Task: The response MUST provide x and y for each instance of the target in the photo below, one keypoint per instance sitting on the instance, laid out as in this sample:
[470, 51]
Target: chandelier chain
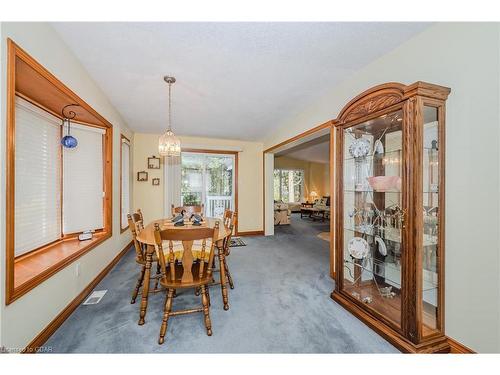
[168, 143]
[170, 106]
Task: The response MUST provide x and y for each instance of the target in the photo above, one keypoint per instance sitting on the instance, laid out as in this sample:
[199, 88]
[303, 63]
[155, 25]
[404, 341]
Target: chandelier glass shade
[169, 144]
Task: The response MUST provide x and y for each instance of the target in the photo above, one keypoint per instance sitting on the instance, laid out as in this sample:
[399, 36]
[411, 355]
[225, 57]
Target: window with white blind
[51, 193]
[83, 190]
[38, 178]
[125, 182]
[58, 191]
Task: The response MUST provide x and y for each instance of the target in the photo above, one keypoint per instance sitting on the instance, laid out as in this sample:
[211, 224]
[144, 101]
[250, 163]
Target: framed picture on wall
[156, 181]
[153, 162]
[142, 176]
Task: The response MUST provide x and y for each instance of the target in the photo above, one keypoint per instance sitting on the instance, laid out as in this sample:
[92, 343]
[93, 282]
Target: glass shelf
[429, 285]
[384, 191]
[391, 234]
[370, 191]
[388, 154]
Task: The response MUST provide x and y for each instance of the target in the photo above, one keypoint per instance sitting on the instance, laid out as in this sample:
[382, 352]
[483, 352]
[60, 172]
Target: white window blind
[83, 181]
[125, 188]
[38, 178]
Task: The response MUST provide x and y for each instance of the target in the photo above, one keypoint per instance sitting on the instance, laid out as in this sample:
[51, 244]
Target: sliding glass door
[208, 179]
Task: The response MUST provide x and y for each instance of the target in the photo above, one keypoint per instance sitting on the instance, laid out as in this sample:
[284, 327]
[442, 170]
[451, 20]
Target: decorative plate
[382, 249]
[358, 247]
[359, 147]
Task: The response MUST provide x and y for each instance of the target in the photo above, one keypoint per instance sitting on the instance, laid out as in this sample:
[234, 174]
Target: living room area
[302, 182]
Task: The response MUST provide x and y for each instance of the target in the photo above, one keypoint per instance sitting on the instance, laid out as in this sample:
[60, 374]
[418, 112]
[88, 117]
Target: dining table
[146, 236]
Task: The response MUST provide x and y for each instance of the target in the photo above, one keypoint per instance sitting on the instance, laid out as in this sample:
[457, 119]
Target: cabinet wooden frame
[28, 79]
[379, 100]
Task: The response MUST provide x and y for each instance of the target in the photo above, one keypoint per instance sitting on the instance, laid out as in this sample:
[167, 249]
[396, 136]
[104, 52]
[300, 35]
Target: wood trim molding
[55, 95]
[299, 136]
[236, 170]
[438, 345]
[458, 348]
[32, 282]
[250, 233]
[209, 151]
[372, 100]
[49, 330]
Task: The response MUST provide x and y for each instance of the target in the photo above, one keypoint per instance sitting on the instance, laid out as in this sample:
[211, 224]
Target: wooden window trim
[122, 137]
[31, 269]
[236, 157]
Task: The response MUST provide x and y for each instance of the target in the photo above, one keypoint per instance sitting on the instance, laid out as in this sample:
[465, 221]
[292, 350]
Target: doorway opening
[298, 199]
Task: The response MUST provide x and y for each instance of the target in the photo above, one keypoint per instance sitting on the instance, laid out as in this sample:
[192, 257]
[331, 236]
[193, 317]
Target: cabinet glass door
[431, 213]
[373, 213]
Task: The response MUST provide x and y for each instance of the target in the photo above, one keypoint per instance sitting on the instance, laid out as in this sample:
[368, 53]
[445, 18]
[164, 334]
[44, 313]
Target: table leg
[145, 287]
[223, 278]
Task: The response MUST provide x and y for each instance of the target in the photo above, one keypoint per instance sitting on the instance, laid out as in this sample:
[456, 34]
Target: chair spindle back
[231, 224]
[186, 237]
[133, 223]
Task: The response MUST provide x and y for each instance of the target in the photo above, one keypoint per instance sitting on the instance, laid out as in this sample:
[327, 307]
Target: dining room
[237, 188]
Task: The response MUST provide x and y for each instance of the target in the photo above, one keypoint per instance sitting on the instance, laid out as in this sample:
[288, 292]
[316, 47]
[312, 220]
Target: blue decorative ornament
[69, 141]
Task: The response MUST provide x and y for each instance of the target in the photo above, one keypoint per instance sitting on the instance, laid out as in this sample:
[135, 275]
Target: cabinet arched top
[385, 95]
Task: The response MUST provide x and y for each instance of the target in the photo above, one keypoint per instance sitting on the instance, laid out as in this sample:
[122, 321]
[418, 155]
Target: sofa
[294, 206]
[281, 213]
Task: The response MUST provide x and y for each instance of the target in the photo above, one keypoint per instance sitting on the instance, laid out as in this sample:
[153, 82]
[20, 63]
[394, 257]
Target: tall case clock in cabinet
[389, 213]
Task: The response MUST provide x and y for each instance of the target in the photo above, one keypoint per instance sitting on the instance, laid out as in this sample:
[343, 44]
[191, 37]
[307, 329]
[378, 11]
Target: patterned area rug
[237, 241]
[324, 236]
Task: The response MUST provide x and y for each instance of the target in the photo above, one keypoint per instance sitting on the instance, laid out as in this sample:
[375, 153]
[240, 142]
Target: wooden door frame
[298, 137]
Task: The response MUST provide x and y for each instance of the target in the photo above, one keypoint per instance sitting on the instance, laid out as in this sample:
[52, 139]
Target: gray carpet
[281, 304]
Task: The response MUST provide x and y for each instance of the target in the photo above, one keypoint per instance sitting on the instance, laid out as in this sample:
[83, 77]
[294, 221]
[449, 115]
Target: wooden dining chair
[189, 210]
[227, 246]
[141, 217]
[230, 220]
[136, 224]
[227, 218]
[194, 271]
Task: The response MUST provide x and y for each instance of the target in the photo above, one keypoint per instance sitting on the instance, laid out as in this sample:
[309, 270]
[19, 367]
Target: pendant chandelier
[169, 144]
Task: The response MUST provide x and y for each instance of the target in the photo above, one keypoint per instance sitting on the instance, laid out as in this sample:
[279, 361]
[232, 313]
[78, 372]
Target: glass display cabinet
[389, 220]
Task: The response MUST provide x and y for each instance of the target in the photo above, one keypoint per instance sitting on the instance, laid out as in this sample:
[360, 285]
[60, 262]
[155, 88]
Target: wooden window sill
[34, 268]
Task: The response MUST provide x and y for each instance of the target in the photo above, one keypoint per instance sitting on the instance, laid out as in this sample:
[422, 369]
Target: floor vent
[95, 297]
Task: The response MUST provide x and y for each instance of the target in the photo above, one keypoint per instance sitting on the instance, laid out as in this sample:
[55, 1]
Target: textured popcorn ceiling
[317, 153]
[234, 80]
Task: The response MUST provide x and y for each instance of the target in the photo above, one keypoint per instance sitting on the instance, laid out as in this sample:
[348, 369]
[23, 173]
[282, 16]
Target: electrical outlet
[77, 270]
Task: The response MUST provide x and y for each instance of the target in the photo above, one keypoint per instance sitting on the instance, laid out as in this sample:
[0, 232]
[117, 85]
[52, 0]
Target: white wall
[464, 57]
[23, 319]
